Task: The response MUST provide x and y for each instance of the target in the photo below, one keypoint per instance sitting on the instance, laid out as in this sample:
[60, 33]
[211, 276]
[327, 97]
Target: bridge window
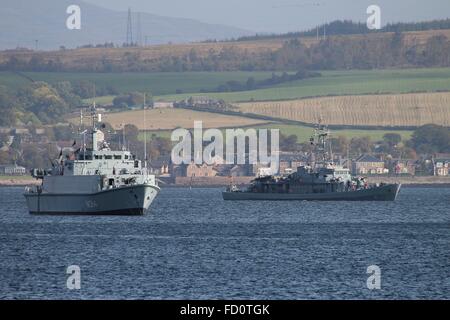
[108, 157]
[117, 157]
[97, 157]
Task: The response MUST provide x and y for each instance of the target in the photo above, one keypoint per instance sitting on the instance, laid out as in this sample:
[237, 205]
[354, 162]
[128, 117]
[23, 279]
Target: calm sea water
[193, 245]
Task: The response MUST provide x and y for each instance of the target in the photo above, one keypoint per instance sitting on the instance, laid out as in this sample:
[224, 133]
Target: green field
[12, 80]
[303, 133]
[103, 101]
[164, 85]
[158, 83]
[343, 83]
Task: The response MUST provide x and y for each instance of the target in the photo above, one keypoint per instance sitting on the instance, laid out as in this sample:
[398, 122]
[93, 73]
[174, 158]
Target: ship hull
[383, 193]
[129, 200]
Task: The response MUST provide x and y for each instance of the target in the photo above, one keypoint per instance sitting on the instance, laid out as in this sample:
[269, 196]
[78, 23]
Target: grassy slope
[158, 83]
[303, 133]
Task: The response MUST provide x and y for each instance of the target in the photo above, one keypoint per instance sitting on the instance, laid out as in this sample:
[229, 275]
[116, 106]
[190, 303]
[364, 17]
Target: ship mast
[321, 145]
[82, 133]
[145, 134]
[95, 117]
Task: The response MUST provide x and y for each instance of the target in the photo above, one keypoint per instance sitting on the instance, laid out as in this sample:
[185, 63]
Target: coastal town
[26, 147]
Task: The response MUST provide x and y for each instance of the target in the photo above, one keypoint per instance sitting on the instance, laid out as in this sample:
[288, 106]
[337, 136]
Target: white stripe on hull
[131, 200]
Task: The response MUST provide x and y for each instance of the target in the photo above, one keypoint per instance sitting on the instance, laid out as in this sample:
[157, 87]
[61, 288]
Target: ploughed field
[399, 110]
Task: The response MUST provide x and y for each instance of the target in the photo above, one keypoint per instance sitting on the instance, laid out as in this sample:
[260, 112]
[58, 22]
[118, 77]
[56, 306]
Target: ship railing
[33, 189]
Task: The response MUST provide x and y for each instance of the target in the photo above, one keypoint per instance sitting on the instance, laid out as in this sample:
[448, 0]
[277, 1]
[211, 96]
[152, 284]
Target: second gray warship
[321, 180]
[93, 180]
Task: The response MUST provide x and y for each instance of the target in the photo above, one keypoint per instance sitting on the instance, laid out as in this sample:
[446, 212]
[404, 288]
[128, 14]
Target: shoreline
[18, 182]
[221, 182]
[202, 186]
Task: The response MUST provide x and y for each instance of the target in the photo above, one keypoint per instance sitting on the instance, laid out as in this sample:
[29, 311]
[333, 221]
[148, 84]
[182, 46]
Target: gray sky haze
[283, 15]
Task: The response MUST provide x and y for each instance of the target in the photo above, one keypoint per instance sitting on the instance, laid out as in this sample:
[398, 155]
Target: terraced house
[368, 165]
[441, 164]
[12, 170]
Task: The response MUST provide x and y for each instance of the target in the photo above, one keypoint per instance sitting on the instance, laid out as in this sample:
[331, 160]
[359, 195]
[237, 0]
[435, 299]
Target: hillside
[264, 55]
[22, 22]
[159, 83]
[164, 85]
[347, 27]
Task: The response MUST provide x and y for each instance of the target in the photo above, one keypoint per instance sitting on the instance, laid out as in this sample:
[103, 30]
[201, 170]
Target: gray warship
[322, 180]
[93, 180]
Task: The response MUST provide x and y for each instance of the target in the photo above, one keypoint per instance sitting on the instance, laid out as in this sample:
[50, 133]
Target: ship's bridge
[334, 172]
[102, 162]
[341, 174]
[324, 174]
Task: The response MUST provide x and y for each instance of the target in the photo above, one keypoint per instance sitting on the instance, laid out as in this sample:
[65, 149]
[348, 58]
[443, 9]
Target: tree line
[348, 27]
[426, 140]
[333, 53]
